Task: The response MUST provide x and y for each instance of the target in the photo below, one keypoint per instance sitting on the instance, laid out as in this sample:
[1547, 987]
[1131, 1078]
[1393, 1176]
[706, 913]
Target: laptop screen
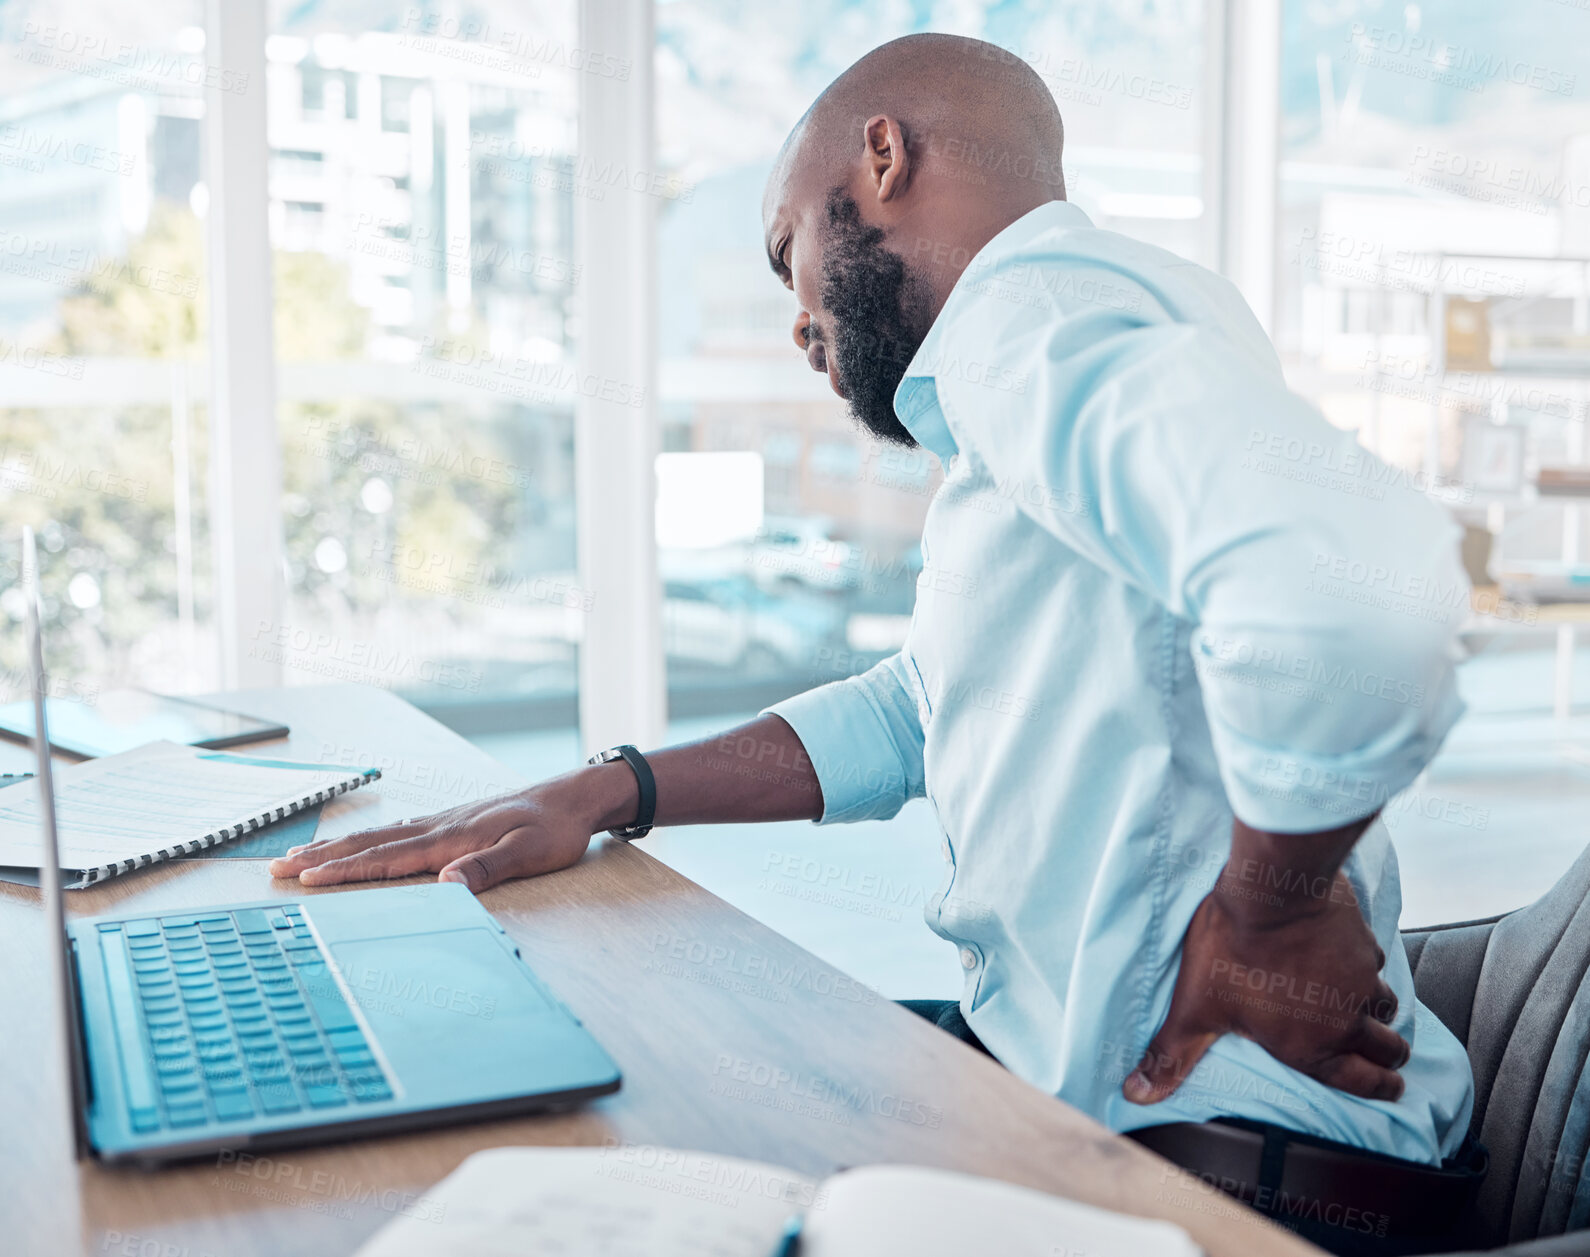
[58, 945]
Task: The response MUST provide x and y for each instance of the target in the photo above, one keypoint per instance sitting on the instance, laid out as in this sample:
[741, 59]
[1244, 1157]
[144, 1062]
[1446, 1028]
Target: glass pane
[102, 343]
[789, 542]
[1428, 150]
[1433, 284]
[421, 209]
[1128, 79]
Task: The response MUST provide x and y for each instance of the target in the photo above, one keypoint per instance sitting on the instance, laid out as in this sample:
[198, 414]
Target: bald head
[901, 171]
[957, 100]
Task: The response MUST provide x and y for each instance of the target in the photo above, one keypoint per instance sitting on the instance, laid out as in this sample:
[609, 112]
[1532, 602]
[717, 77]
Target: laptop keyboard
[224, 1017]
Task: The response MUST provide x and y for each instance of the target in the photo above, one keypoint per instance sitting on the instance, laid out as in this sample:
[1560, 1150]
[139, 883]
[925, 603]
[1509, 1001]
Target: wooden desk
[702, 1007]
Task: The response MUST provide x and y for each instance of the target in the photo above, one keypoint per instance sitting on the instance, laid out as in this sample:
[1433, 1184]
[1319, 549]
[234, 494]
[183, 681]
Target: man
[1158, 736]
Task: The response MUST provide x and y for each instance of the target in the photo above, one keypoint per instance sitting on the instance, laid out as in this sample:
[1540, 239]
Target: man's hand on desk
[756, 772]
[1279, 952]
[539, 830]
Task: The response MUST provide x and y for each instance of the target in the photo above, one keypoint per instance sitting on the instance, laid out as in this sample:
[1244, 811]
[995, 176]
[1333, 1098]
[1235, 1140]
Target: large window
[422, 178]
[422, 182]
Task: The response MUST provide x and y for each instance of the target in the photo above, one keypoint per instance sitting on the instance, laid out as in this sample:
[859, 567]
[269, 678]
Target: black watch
[648, 789]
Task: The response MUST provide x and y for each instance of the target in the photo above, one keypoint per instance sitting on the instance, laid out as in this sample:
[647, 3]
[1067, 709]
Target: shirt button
[968, 958]
[945, 847]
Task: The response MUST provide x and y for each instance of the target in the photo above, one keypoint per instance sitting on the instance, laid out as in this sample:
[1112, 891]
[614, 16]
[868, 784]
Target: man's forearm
[1272, 874]
[758, 771]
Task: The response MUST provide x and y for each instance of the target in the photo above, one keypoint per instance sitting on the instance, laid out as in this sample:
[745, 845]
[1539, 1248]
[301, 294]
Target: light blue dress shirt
[1158, 588]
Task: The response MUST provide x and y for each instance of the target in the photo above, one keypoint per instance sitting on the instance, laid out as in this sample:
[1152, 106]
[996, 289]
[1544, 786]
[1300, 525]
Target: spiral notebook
[158, 802]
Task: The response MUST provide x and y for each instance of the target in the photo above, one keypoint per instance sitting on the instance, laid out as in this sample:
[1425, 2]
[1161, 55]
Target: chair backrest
[1513, 991]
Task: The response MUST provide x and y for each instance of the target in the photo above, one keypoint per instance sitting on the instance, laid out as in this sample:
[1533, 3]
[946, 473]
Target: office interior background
[313, 371]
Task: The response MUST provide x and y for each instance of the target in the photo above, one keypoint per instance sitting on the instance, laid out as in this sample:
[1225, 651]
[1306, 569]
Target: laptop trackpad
[452, 1012]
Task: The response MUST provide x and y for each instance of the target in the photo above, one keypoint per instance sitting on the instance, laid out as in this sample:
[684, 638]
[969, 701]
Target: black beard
[879, 316]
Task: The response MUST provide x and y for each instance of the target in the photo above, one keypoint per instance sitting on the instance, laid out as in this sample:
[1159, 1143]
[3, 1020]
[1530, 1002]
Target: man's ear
[888, 166]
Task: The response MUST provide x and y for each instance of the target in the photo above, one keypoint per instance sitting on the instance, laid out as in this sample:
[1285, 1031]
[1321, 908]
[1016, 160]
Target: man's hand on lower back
[1279, 952]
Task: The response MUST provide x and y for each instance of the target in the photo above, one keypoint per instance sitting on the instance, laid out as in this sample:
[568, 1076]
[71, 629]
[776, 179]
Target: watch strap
[648, 789]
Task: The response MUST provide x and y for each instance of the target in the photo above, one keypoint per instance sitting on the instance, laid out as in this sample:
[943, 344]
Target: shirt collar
[916, 399]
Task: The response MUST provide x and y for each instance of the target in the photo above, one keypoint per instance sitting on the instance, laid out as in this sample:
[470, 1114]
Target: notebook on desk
[159, 802]
[641, 1201]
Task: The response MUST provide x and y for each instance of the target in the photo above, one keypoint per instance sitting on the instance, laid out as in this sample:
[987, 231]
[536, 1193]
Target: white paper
[911, 1211]
[625, 1201]
[126, 806]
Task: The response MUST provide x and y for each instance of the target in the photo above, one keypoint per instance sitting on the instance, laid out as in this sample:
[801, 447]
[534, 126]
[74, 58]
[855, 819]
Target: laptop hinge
[82, 1082]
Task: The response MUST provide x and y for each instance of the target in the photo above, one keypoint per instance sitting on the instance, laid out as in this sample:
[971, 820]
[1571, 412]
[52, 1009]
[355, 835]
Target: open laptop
[280, 1022]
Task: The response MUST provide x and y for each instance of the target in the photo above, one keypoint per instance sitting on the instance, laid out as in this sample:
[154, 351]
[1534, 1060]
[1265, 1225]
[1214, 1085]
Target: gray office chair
[1513, 990]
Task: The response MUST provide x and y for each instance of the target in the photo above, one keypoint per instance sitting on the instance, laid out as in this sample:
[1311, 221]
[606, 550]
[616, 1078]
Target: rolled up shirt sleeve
[1325, 588]
[864, 738]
